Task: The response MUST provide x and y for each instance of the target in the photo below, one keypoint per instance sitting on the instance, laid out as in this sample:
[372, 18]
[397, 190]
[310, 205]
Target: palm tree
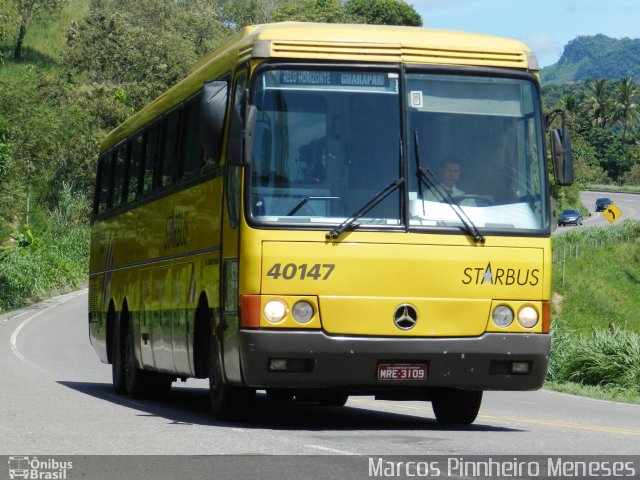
[597, 102]
[625, 106]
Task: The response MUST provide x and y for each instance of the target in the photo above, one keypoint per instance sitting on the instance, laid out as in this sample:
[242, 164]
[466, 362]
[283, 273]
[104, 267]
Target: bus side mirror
[213, 112]
[241, 135]
[562, 156]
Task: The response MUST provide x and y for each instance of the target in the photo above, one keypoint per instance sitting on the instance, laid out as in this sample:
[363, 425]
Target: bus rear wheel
[118, 371]
[456, 407]
[228, 402]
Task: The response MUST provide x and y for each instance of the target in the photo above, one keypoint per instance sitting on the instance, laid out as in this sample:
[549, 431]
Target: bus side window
[192, 151]
[118, 175]
[102, 184]
[170, 142]
[151, 136]
[135, 168]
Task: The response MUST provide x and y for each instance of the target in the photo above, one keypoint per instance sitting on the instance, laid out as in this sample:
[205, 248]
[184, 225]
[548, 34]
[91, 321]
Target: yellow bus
[281, 220]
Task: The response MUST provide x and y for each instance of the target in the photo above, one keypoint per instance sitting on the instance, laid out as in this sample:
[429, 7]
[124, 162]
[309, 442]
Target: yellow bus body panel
[361, 281]
[158, 258]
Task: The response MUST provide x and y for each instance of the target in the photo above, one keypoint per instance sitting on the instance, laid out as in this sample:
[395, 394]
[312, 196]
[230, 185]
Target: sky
[546, 26]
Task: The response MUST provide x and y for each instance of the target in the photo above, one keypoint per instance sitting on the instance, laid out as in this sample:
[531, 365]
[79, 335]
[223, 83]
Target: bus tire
[137, 380]
[228, 402]
[118, 370]
[456, 407]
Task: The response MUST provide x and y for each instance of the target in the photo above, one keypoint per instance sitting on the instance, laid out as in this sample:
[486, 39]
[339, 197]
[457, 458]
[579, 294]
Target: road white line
[14, 336]
[327, 449]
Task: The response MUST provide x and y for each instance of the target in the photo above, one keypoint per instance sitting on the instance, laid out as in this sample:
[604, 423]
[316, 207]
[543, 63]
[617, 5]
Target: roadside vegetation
[54, 261]
[596, 280]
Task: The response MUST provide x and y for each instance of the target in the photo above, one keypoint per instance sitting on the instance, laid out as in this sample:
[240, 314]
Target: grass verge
[595, 344]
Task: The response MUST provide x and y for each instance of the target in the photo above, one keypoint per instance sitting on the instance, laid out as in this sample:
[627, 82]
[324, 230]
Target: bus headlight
[528, 317]
[274, 311]
[302, 311]
[502, 316]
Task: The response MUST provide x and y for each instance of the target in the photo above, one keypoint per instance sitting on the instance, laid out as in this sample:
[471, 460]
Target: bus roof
[378, 43]
[338, 42]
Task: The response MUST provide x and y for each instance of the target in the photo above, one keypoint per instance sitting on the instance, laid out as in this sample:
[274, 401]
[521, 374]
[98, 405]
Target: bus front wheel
[456, 407]
[228, 402]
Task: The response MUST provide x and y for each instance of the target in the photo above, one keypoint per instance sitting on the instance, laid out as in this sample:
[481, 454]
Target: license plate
[402, 371]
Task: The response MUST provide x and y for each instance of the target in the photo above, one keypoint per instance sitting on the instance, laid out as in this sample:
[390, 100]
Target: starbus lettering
[176, 230]
[501, 276]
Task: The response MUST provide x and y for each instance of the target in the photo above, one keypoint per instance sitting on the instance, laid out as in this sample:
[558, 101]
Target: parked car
[570, 217]
[602, 204]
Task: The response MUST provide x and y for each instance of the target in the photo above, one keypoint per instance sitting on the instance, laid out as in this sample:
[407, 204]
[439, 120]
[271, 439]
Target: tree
[625, 107]
[597, 103]
[610, 151]
[4, 21]
[383, 12]
[29, 11]
[139, 46]
[586, 165]
[328, 11]
[240, 13]
[202, 24]
[633, 176]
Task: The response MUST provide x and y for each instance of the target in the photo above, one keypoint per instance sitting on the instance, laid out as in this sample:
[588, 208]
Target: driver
[448, 173]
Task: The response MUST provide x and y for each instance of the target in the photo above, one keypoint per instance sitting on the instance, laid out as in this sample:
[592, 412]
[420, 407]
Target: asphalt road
[56, 398]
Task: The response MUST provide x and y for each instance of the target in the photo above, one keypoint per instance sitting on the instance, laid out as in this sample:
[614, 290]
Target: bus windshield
[327, 142]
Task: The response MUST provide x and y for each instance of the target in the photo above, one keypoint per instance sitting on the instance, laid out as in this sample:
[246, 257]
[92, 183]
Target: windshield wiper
[429, 179]
[349, 222]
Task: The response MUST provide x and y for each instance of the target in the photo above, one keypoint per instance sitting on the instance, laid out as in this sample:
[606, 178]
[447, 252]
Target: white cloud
[543, 42]
[545, 46]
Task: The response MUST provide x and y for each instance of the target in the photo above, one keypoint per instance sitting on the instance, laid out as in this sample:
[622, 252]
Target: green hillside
[45, 40]
[596, 56]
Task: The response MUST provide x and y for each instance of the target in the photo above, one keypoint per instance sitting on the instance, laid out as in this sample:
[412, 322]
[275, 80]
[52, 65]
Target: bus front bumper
[313, 359]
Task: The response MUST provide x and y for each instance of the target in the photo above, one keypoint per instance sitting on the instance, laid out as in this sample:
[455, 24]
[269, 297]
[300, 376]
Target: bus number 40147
[304, 271]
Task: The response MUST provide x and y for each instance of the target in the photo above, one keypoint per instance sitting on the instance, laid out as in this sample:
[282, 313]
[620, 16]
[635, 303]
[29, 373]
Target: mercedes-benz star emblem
[405, 316]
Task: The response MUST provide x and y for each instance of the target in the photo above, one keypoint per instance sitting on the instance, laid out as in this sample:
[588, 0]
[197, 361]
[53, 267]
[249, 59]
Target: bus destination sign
[378, 81]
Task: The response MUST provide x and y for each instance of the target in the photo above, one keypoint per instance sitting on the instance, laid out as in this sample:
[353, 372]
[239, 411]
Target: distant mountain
[596, 56]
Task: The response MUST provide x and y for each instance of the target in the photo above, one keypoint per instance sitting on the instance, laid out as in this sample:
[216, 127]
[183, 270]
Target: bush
[609, 359]
[37, 265]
